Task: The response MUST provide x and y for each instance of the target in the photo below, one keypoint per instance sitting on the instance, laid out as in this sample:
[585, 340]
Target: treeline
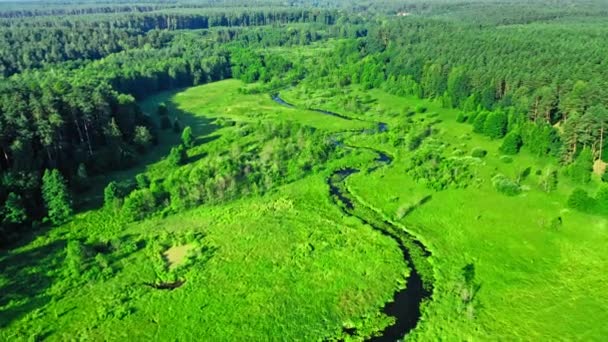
[37, 42]
[85, 121]
[82, 121]
[35, 11]
[549, 77]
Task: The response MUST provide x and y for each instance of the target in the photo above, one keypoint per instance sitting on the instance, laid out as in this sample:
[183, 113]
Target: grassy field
[286, 265]
[289, 265]
[535, 281]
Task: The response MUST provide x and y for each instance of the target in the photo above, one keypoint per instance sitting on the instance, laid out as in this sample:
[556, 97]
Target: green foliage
[505, 185]
[187, 137]
[540, 139]
[74, 257]
[56, 197]
[74, 112]
[479, 152]
[461, 117]
[472, 116]
[14, 211]
[142, 181]
[480, 122]
[506, 159]
[512, 143]
[111, 194]
[458, 87]
[495, 125]
[421, 109]
[601, 200]
[139, 204]
[177, 156]
[427, 165]
[142, 137]
[549, 180]
[523, 174]
[582, 167]
[580, 200]
[416, 136]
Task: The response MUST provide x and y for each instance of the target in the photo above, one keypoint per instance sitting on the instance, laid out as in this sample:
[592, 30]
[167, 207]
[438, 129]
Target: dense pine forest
[303, 170]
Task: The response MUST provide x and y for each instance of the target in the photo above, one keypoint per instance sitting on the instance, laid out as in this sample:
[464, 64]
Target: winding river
[405, 306]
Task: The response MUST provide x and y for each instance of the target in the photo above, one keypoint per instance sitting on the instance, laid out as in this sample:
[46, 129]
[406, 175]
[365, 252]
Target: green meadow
[301, 267]
[289, 258]
[537, 279]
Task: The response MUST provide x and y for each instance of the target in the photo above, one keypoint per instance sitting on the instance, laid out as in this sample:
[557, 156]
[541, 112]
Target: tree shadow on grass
[206, 139]
[27, 276]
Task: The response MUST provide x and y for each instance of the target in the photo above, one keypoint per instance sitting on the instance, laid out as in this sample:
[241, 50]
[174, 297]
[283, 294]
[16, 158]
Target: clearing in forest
[176, 255]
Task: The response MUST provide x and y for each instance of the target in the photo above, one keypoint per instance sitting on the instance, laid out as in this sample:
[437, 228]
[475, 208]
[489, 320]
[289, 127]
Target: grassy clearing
[176, 255]
[536, 281]
[286, 265]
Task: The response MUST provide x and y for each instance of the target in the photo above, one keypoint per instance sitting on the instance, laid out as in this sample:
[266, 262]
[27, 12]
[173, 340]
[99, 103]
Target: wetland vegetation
[304, 170]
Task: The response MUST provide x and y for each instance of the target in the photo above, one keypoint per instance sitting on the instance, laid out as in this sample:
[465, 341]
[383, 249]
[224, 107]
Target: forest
[303, 170]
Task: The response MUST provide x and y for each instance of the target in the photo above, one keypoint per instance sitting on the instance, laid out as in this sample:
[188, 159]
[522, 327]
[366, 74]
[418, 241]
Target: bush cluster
[428, 165]
[505, 185]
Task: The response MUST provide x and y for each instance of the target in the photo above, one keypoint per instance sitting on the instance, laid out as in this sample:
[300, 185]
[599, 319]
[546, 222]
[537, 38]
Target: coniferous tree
[14, 212]
[187, 137]
[512, 143]
[480, 122]
[177, 156]
[495, 125]
[56, 197]
[580, 171]
[111, 194]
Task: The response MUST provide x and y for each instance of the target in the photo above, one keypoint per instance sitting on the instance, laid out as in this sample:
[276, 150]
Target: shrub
[421, 109]
[56, 197]
[139, 204]
[461, 117]
[472, 117]
[523, 174]
[187, 137]
[580, 171]
[223, 122]
[142, 137]
[177, 156]
[512, 143]
[111, 194]
[14, 211]
[580, 200]
[495, 125]
[548, 181]
[479, 152]
[506, 186]
[142, 181]
[479, 123]
[506, 159]
[601, 199]
[74, 257]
